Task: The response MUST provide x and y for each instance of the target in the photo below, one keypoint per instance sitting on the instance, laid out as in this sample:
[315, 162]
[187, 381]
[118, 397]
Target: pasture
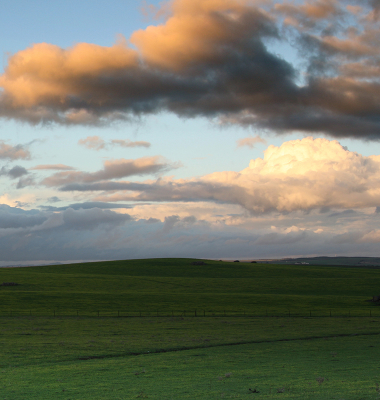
[175, 352]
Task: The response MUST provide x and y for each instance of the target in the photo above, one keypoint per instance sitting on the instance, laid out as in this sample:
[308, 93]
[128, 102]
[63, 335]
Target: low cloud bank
[97, 234]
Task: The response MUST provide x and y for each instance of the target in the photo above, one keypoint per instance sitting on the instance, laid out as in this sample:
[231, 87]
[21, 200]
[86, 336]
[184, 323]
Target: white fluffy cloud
[299, 175]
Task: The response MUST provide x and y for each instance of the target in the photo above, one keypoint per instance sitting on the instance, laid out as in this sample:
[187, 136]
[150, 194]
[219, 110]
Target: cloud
[97, 234]
[129, 143]
[371, 237]
[302, 174]
[93, 143]
[89, 219]
[86, 206]
[13, 173]
[13, 152]
[211, 58]
[250, 141]
[23, 200]
[97, 143]
[281, 238]
[25, 181]
[53, 167]
[11, 217]
[67, 219]
[20, 173]
[112, 169]
[53, 199]
[309, 13]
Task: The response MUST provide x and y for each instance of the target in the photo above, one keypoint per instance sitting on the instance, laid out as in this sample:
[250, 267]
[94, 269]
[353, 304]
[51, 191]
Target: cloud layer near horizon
[298, 175]
[95, 233]
[309, 196]
[213, 58]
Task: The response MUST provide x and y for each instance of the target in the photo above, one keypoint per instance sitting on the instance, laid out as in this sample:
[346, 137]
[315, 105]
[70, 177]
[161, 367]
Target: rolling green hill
[173, 286]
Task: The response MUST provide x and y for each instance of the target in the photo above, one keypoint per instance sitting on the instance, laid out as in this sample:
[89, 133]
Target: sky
[224, 129]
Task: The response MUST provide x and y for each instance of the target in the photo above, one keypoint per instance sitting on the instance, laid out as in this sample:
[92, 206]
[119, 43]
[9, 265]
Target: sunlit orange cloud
[211, 58]
[84, 83]
[194, 33]
[47, 72]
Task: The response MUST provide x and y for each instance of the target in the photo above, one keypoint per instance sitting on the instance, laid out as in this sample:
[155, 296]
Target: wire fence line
[195, 313]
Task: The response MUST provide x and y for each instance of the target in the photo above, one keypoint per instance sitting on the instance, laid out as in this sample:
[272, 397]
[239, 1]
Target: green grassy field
[180, 356]
[175, 285]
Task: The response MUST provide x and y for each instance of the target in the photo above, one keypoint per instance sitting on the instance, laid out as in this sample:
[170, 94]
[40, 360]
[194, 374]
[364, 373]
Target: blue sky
[217, 160]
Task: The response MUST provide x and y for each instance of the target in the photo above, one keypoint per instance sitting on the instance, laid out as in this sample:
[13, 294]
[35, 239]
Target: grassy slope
[52, 359]
[107, 358]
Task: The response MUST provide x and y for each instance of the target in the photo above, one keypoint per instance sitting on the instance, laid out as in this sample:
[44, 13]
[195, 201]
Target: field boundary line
[173, 350]
[199, 347]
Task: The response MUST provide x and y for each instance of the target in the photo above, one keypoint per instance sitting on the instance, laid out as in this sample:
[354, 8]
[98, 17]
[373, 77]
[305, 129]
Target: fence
[341, 313]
